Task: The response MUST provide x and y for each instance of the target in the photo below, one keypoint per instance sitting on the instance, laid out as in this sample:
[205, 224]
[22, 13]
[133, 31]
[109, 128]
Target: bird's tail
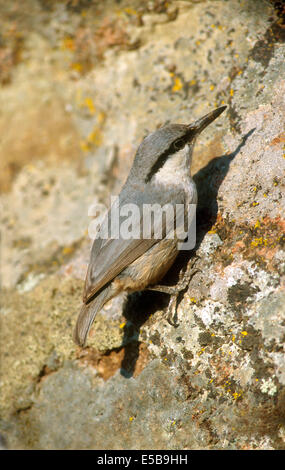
[87, 315]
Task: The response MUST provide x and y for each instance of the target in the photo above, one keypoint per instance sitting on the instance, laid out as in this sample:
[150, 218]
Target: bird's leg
[174, 291]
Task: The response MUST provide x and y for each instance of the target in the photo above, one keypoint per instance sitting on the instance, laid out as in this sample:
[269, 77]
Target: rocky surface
[81, 84]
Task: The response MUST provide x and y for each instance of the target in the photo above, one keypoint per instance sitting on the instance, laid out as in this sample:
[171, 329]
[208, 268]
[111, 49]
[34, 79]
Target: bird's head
[173, 142]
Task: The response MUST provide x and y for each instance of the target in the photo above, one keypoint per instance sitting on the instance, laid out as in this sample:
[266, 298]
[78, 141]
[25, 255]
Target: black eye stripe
[160, 162]
[179, 144]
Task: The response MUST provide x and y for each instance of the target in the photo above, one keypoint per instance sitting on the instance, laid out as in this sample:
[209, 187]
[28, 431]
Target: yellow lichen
[95, 137]
[236, 395]
[259, 241]
[88, 102]
[101, 117]
[67, 250]
[84, 146]
[77, 66]
[130, 11]
[68, 43]
[177, 84]
[257, 224]
[256, 242]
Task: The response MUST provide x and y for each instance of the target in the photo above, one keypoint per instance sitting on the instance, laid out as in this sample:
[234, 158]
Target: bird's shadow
[140, 305]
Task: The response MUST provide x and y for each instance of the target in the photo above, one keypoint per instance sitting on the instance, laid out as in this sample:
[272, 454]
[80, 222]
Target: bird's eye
[179, 144]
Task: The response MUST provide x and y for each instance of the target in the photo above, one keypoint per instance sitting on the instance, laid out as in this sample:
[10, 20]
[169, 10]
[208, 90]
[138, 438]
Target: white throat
[176, 169]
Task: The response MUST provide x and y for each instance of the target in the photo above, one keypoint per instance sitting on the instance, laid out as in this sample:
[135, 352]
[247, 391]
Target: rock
[217, 380]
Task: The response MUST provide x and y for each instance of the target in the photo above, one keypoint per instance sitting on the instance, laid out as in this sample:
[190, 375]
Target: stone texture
[81, 85]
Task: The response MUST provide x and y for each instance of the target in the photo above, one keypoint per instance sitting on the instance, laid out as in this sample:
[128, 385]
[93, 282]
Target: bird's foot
[185, 277]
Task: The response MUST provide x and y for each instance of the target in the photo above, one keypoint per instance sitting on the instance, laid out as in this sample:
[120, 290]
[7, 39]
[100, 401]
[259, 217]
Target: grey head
[162, 144]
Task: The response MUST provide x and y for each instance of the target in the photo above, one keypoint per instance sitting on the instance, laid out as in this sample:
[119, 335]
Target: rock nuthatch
[160, 175]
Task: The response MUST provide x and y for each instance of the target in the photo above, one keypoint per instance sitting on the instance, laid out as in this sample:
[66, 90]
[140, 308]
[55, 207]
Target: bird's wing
[109, 257]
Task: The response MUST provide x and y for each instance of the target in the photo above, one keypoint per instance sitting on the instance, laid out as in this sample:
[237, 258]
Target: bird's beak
[198, 126]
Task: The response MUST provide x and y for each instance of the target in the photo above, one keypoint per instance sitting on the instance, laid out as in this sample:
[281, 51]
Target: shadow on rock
[139, 306]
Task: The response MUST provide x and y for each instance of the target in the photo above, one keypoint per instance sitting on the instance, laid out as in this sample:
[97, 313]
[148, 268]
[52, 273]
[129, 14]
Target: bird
[161, 175]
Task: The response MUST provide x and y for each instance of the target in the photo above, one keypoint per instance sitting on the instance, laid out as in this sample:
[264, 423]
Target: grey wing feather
[109, 257]
[111, 261]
